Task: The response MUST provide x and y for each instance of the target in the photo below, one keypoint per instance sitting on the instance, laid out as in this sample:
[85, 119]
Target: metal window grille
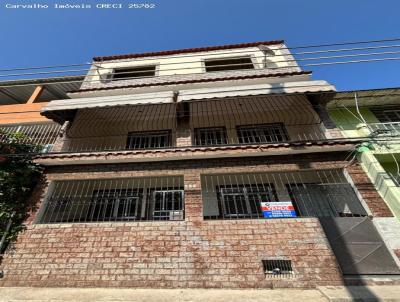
[134, 72]
[312, 193]
[119, 199]
[228, 64]
[43, 135]
[266, 133]
[148, 140]
[244, 200]
[386, 129]
[247, 120]
[395, 178]
[277, 267]
[210, 136]
[387, 114]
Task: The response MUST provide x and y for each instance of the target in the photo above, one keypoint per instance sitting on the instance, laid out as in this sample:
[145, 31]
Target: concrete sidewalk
[372, 293]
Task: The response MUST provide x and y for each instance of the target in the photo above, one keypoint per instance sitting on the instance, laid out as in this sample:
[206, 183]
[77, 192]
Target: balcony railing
[255, 120]
[313, 193]
[308, 193]
[42, 135]
[385, 129]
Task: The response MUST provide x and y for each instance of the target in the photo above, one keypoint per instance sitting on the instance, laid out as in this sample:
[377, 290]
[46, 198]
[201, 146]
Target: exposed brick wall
[190, 253]
[217, 254]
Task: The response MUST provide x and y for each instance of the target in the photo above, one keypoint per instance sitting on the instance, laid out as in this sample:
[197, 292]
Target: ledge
[185, 153]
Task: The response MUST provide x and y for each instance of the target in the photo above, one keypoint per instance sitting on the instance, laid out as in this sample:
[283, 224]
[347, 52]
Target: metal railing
[41, 135]
[238, 121]
[313, 193]
[385, 129]
[113, 200]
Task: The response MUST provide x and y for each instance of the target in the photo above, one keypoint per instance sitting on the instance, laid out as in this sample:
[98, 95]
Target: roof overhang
[366, 98]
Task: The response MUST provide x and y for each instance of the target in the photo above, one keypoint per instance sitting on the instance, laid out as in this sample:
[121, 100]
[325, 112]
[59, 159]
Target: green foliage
[18, 176]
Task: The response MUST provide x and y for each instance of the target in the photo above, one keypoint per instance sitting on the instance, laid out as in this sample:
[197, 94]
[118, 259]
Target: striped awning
[260, 89]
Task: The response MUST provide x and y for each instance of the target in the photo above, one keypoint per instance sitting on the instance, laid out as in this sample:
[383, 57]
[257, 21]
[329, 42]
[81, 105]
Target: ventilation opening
[278, 268]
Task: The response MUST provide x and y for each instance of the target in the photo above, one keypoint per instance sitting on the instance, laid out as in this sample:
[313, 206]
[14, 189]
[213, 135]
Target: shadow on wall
[360, 251]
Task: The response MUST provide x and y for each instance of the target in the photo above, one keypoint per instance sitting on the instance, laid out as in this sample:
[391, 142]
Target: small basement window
[228, 64]
[134, 72]
[274, 267]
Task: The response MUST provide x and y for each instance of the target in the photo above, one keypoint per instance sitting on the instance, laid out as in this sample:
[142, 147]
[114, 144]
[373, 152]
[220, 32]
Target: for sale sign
[282, 209]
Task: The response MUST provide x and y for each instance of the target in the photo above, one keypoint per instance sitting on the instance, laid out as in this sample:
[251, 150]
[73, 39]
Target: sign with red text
[282, 209]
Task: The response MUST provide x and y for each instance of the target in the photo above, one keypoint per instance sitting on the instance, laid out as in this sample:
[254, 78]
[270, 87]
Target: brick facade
[190, 253]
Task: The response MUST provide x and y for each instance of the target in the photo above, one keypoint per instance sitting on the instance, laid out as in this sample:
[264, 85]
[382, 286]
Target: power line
[197, 67]
[231, 52]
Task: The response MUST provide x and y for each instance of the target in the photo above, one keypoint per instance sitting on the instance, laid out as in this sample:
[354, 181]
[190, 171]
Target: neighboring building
[22, 101]
[375, 116]
[207, 167]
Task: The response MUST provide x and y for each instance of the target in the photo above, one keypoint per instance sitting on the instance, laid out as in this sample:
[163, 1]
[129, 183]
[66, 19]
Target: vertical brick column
[368, 192]
[193, 201]
[183, 135]
[183, 131]
[328, 126]
[61, 142]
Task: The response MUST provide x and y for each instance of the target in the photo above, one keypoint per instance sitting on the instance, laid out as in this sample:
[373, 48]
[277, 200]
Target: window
[266, 133]
[115, 204]
[134, 72]
[228, 64]
[387, 115]
[118, 199]
[244, 201]
[210, 136]
[148, 140]
[167, 204]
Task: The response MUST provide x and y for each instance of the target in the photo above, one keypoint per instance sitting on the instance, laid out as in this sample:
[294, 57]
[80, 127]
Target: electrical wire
[231, 75]
[201, 54]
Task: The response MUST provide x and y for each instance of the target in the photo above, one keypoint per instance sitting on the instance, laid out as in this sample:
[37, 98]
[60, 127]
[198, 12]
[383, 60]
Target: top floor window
[224, 64]
[387, 114]
[134, 72]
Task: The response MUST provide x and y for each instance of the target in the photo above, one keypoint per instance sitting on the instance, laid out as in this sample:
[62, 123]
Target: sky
[38, 37]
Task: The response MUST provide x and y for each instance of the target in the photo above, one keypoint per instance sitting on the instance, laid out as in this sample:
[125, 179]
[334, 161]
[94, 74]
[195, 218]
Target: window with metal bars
[243, 201]
[148, 139]
[43, 135]
[210, 136]
[121, 204]
[168, 204]
[277, 267]
[387, 114]
[311, 193]
[133, 72]
[126, 199]
[226, 64]
[265, 133]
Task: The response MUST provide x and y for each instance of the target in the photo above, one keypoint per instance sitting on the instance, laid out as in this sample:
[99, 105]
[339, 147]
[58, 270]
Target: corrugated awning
[109, 101]
[261, 89]
[62, 110]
